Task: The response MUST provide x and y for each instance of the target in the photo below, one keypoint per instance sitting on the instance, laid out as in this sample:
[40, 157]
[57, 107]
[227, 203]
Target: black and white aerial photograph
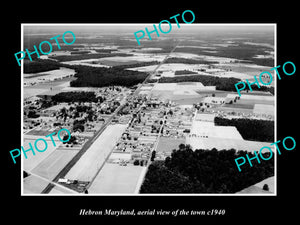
[153, 116]
[137, 113]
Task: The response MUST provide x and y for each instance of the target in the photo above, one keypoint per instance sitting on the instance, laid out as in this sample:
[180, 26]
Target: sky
[131, 28]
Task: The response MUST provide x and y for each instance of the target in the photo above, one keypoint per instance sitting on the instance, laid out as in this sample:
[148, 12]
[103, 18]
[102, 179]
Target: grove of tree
[204, 171]
[250, 129]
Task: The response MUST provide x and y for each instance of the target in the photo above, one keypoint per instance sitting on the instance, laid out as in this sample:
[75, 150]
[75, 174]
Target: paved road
[156, 68]
[144, 172]
[85, 147]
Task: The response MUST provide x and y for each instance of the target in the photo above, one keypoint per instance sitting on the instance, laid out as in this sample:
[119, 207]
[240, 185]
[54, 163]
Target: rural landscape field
[162, 117]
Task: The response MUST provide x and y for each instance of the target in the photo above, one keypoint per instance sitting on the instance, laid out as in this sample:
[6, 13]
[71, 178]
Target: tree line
[261, 88]
[250, 129]
[183, 72]
[101, 77]
[39, 65]
[76, 96]
[139, 64]
[204, 171]
[189, 61]
[65, 58]
[221, 83]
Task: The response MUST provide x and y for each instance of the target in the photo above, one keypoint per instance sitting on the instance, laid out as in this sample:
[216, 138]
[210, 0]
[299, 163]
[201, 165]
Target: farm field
[48, 75]
[33, 160]
[183, 100]
[46, 87]
[88, 165]
[194, 65]
[54, 163]
[182, 53]
[209, 130]
[127, 60]
[118, 60]
[249, 103]
[254, 101]
[116, 179]
[36, 83]
[177, 86]
[234, 109]
[185, 93]
[180, 98]
[242, 76]
[239, 105]
[175, 91]
[33, 185]
[170, 68]
[263, 109]
[60, 191]
[223, 143]
[245, 68]
[42, 132]
[256, 97]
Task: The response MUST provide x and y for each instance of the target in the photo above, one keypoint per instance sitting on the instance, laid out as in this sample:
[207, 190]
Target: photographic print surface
[162, 117]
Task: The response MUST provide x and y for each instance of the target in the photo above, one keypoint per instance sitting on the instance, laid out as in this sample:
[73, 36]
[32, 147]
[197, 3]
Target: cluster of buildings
[236, 114]
[150, 119]
[178, 121]
[88, 116]
[138, 140]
